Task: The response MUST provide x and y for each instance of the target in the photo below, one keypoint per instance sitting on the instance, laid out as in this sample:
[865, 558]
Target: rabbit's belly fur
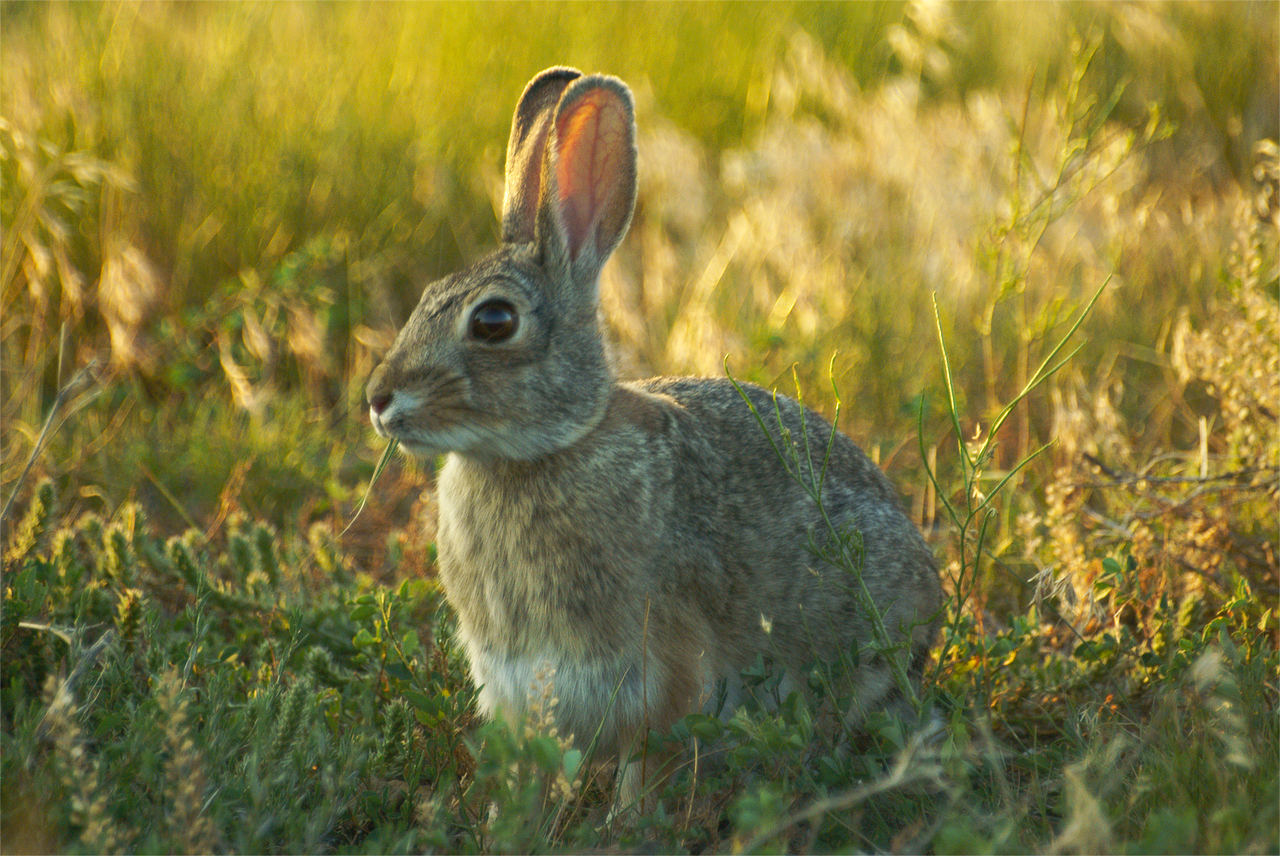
[589, 694]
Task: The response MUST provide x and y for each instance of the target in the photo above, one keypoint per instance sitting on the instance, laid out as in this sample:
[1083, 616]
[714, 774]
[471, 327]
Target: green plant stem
[79, 381]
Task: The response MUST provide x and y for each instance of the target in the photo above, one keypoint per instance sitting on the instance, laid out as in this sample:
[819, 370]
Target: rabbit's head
[506, 359]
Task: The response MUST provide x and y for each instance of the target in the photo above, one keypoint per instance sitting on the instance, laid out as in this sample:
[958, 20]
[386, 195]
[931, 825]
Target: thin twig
[903, 773]
[1119, 478]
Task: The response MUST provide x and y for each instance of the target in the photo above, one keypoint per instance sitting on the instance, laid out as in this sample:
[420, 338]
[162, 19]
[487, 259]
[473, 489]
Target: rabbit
[645, 540]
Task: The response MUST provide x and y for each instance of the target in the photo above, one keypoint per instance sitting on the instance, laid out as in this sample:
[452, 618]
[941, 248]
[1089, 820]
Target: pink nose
[380, 402]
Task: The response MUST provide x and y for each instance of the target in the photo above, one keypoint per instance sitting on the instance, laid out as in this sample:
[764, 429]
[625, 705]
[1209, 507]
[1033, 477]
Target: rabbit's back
[770, 536]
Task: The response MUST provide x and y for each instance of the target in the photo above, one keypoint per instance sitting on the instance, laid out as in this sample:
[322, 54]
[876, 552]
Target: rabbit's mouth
[389, 420]
[380, 417]
[428, 446]
[487, 442]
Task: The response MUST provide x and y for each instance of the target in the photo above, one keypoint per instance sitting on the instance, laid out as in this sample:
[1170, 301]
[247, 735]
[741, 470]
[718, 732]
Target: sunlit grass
[231, 206]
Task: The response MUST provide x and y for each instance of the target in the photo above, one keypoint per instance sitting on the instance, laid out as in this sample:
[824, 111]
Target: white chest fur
[610, 696]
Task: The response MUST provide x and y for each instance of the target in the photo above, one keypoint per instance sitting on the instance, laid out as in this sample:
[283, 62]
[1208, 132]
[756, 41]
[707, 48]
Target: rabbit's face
[505, 359]
[478, 369]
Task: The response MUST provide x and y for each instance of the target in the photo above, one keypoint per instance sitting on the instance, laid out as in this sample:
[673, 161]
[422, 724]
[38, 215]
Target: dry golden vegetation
[215, 216]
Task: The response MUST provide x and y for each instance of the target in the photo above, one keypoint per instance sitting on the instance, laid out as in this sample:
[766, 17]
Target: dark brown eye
[493, 321]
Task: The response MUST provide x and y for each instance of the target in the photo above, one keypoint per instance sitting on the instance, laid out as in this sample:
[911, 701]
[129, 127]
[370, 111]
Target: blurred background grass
[227, 209]
[234, 205]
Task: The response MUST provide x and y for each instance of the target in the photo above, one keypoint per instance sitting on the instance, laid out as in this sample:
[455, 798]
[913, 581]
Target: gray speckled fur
[643, 539]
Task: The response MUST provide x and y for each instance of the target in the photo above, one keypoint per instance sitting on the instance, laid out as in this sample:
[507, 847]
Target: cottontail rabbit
[643, 539]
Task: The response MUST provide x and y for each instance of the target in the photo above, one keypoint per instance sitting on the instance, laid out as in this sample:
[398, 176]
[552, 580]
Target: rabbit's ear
[590, 178]
[526, 152]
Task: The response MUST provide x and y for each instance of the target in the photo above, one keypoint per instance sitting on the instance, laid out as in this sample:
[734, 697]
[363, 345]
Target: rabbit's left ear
[526, 152]
[589, 182]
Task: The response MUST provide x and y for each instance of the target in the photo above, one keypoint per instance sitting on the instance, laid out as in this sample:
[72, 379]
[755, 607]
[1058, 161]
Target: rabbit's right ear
[590, 180]
[526, 151]
[588, 184]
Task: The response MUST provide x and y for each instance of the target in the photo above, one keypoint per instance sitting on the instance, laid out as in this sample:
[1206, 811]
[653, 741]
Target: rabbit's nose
[380, 402]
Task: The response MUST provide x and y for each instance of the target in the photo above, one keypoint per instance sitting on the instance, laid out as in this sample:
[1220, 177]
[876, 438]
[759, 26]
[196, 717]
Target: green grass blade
[382, 465]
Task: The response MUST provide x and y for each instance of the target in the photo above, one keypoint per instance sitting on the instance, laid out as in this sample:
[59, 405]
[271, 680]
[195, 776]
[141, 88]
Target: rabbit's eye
[493, 321]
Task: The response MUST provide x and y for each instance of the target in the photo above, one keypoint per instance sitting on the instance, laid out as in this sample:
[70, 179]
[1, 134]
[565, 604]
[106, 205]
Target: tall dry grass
[230, 208]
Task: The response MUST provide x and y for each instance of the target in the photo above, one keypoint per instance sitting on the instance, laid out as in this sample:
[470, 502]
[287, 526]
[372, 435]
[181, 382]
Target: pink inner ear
[593, 138]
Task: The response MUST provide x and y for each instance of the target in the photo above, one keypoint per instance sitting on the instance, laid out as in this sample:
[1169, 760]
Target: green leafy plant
[204, 648]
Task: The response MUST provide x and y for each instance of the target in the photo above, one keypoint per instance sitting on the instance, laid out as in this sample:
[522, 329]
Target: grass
[198, 654]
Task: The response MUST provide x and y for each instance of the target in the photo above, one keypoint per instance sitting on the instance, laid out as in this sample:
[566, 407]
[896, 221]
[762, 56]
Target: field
[1027, 252]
